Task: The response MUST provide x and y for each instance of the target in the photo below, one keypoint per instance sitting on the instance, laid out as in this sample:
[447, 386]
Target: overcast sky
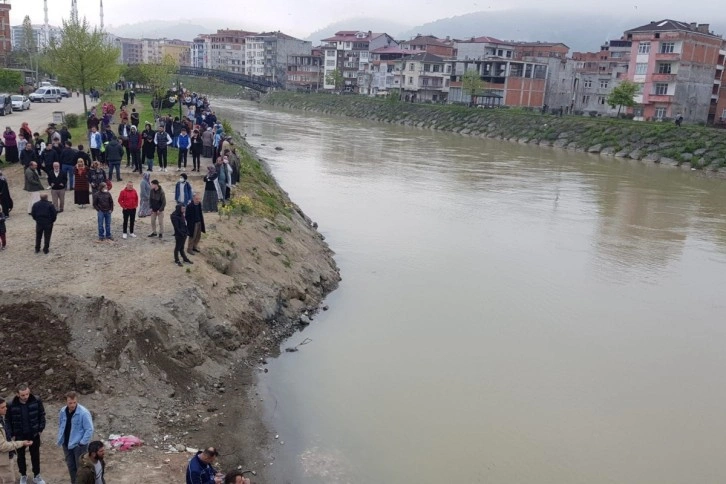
[301, 17]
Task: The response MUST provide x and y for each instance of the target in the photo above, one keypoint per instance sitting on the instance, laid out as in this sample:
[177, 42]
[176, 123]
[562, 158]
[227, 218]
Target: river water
[508, 314]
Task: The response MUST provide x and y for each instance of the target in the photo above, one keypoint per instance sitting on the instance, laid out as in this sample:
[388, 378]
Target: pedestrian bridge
[251, 82]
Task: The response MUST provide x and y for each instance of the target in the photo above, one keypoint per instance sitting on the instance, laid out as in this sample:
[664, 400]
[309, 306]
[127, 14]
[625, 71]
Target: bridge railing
[252, 82]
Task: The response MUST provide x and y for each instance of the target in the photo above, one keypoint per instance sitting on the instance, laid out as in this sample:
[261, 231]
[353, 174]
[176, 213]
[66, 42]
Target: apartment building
[424, 77]
[717, 113]
[305, 72]
[430, 44]
[17, 34]
[151, 51]
[179, 50]
[132, 51]
[674, 64]
[200, 51]
[597, 74]
[349, 52]
[514, 74]
[267, 53]
[385, 68]
[226, 50]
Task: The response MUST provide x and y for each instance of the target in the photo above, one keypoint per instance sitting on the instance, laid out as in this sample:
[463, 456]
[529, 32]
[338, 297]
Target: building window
[638, 112]
[664, 68]
[410, 66]
[660, 113]
[410, 80]
[601, 100]
[667, 47]
[587, 84]
[585, 99]
[661, 89]
[644, 48]
[603, 84]
[641, 68]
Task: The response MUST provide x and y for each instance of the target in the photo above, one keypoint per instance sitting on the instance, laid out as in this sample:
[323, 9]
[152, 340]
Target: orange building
[717, 115]
[5, 34]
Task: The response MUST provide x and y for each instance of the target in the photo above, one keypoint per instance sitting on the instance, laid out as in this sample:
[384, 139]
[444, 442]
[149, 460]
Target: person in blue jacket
[183, 143]
[183, 190]
[200, 470]
[75, 430]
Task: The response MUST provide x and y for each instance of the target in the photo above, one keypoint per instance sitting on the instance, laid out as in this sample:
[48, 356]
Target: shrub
[72, 120]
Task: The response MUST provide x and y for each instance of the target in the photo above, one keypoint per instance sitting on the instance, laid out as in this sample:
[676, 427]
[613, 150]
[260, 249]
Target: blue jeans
[111, 166]
[73, 459]
[150, 164]
[68, 170]
[104, 221]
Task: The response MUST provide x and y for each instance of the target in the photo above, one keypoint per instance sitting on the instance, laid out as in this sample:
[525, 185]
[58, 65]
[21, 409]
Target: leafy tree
[10, 80]
[471, 83]
[335, 78]
[623, 95]
[158, 77]
[29, 44]
[82, 58]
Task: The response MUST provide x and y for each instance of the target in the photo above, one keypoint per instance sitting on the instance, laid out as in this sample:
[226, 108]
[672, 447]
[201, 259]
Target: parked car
[6, 104]
[46, 94]
[20, 102]
[64, 92]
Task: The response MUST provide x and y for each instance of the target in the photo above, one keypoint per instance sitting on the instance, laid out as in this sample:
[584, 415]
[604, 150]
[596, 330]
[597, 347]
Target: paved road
[40, 114]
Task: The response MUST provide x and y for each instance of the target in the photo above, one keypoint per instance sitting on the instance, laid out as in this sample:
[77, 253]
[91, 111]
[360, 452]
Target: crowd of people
[53, 163]
[23, 421]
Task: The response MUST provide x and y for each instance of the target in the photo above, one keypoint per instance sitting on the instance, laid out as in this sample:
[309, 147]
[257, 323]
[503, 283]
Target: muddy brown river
[508, 314]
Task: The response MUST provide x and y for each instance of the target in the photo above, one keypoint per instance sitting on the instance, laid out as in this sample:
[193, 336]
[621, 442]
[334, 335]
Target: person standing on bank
[157, 202]
[103, 203]
[7, 466]
[183, 144]
[75, 430]
[134, 149]
[10, 141]
[68, 158]
[80, 190]
[114, 154]
[195, 223]
[180, 234]
[58, 180]
[162, 140]
[44, 214]
[128, 199]
[33, 185]
[149, 147]
[196, 150]
[26, 417]
[183, 190]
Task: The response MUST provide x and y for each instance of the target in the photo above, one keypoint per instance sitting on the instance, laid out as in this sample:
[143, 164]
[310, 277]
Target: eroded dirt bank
[162, 352]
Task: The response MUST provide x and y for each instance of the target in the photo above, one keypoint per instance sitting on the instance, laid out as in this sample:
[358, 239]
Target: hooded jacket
[87, 471]
[128, 199]
[179, 223]
[114, 151]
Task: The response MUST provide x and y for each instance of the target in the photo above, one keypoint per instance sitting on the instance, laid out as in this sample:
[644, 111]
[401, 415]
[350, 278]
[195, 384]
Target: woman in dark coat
[10, 141]
[80, 188]
[5, 199]
[210, 199]
[148, 148]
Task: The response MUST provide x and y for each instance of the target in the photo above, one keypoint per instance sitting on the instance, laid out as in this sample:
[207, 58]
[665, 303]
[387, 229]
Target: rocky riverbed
[688, 147]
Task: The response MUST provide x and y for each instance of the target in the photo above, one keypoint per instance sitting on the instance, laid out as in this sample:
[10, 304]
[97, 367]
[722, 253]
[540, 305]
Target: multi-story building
[200, 51]
[151, 51]
[513, 74]
[385, 68]
[179, 50]
[17, 33]
[597, 74]
[266, 54]
[430, 44]
[132, 51]
[717, 113]
[674, 64]
[349, 52]
[5, 37]
[424, 77]
[227, 50]
[305, 72]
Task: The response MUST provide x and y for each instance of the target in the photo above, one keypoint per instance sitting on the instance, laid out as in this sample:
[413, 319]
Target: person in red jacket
[129, 201]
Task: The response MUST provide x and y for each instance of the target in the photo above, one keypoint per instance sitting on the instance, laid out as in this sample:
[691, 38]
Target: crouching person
[92, 467]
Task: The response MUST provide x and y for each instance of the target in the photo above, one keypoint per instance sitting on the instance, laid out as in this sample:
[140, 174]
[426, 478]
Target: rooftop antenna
[101, 14]
[74, 10]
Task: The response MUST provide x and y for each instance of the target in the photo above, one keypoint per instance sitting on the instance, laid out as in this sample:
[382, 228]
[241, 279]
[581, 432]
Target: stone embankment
[688, 147]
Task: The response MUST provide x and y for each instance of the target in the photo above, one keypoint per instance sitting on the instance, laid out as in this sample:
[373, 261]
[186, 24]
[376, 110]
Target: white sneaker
[124, 236]
[133, 236]
[178, 169]
[38, 480]
[23, 480]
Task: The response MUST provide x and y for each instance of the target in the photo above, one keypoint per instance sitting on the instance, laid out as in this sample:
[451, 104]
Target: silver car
[20, 102]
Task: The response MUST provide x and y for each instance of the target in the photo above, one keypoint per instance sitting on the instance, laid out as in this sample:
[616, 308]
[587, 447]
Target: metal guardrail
[252, 82]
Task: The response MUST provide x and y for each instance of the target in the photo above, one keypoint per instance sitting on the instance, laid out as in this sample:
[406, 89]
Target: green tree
[10, 81]
[471, 83]
[623, 95]
[82, 58]
[158, 77]
[335, 78]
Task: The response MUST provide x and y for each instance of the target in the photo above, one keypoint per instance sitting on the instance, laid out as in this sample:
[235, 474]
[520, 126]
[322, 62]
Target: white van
[46, 94]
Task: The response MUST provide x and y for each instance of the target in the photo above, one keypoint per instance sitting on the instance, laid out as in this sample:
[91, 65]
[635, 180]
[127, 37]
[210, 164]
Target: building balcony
[657, 98]
[659, 56]
[656, 77]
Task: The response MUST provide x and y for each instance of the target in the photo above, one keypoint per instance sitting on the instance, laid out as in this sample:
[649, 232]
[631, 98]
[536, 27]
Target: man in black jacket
[195, 223]
[180, 234]
[114, 154]
[67, 160]
[27, 155]
[44, 214]
[58, 181]
[26, 421]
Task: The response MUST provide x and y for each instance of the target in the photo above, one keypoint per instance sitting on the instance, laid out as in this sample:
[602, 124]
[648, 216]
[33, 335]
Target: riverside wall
[696, 147]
